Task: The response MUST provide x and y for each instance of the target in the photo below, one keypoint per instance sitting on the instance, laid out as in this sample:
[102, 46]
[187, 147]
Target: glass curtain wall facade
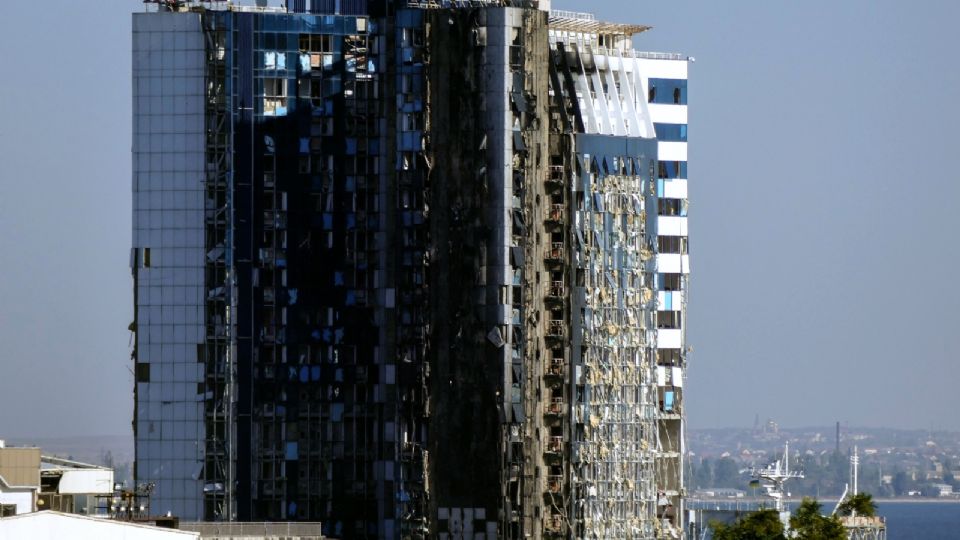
[401, 271]
[263, 223]
[168, 256]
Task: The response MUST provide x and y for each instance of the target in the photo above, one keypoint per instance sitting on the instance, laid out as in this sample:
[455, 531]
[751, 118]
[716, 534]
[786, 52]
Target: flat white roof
[51, 525]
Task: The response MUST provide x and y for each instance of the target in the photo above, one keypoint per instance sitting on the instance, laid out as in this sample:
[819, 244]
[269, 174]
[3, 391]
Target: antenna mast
[774, 476]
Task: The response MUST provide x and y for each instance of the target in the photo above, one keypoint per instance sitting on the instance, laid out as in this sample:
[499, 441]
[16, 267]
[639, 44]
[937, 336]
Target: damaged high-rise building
[413, 270]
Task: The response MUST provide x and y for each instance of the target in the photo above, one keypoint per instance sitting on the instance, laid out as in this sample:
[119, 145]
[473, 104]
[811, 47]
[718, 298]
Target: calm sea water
[921, 521]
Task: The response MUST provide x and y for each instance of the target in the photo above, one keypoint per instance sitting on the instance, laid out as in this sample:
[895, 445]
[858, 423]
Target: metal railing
[555, 407]
[560, 13]
[556, 328]
[556, 213]
[658, 55]
[235, 530]
[556, 251]
[555, 483]
[555, 289]
[555, 444]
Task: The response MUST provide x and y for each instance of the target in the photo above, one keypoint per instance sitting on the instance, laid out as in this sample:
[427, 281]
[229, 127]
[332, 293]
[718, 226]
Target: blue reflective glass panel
[668, 91]
[671, 132]
[672, 169]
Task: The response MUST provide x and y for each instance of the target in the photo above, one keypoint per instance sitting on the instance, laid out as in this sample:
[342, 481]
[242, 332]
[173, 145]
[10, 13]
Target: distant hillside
[88, 448]
[893, 462]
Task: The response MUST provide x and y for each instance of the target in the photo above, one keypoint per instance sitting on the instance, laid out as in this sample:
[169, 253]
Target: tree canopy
[807, 523]
[861, 503]
[759, 525]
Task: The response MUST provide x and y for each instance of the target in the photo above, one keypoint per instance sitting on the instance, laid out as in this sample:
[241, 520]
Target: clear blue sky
[823, 210]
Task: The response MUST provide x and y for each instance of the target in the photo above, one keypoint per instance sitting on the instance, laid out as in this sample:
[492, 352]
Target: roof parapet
[587, 23]
[212, 5]
[453, 4]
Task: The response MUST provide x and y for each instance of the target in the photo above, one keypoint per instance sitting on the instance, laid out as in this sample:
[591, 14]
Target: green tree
[861, 503]
[807, 523]
[902, 483]
[835, 474]
[759, 525]
[703, 475]
[726, 474]
[948, 478]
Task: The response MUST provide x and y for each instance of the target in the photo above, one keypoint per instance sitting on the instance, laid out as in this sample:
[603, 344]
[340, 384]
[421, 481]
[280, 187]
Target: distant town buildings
[942, 490]
[894, 463]
[410, 269]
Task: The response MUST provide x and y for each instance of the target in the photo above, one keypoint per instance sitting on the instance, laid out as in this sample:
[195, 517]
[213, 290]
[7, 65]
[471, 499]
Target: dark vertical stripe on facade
[322, 6]
[243, 257]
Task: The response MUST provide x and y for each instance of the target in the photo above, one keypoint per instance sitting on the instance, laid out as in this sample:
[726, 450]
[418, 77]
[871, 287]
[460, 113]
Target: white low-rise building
[19, 480]
[50, 525]
[30, 482]
[73, 487]
[943, 490]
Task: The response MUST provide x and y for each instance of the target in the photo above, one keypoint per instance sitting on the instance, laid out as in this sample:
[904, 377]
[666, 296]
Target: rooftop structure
[586, 23]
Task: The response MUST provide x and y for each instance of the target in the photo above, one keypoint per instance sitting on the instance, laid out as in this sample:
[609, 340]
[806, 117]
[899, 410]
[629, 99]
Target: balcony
[555, 369]
[553, 525]
[268, 334]
[271, 258]
[555, 407]
[555, 176]
[554, 445]
[556, 329]
[554, 483]
[555, 253]
[274, 220]
[411, 451]
[555, 290]
[556, 214]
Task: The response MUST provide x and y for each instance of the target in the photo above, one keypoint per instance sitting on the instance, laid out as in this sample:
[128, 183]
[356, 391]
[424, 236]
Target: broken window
[668, 320]
[671, 282]
[672, 244]
[142, 372]
[668, 357]
[670, 207]
[672, 169]
[274, 60]
[274, 97]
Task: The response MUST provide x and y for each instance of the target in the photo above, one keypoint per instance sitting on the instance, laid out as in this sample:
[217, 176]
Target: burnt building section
[486, 147]
[400, 269]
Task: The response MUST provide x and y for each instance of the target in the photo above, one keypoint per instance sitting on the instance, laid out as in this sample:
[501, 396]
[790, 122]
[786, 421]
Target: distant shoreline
[878, 500]
[916, 500]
